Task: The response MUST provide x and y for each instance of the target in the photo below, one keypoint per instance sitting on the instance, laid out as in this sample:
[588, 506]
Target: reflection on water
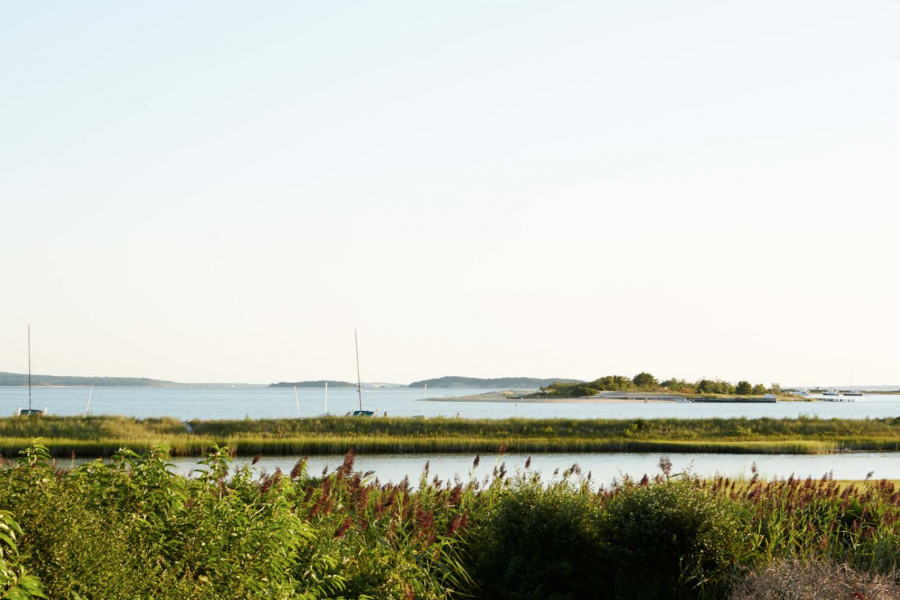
[602, 467]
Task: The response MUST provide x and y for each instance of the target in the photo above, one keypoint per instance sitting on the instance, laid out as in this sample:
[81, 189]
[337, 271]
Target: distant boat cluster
[830, 395]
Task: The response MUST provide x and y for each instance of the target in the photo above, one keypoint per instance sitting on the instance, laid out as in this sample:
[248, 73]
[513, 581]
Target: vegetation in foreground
[134, 529]
[104, 435]
[815, 580]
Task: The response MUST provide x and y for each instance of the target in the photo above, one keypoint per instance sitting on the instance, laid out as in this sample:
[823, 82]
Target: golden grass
[102, 436]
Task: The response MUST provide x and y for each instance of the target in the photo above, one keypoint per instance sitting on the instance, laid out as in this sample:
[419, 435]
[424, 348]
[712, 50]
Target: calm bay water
[603, 467]
[263, 402]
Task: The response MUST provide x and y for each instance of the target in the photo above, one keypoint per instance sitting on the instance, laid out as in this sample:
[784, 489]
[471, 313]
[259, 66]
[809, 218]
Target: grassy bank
[103, 436]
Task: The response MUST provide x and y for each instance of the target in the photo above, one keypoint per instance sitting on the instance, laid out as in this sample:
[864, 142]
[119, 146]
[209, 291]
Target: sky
[224, 191]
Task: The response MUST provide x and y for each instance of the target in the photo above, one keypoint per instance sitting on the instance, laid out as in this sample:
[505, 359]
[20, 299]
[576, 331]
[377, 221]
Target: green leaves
[15, 582]
[132, 528]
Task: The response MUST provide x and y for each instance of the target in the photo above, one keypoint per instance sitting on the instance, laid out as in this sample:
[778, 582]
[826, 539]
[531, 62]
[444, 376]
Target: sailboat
[852, 391]
[359, 412]
[424, 396]
[326, 413]
[24, 412]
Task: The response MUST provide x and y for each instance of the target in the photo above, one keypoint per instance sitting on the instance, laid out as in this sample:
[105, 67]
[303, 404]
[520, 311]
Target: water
[263, 402]
[603, 467]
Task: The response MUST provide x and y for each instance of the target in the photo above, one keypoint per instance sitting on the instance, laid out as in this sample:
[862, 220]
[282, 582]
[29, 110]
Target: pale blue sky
[224, 190]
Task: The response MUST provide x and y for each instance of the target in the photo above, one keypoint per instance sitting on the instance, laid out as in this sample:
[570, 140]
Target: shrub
[670, 539]
[133, 528]
[15, 583]
[538, 544]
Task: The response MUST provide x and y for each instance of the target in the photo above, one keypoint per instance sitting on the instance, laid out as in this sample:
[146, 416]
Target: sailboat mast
[326, 397]
[358, 379]
[29, 367]
[88, 407]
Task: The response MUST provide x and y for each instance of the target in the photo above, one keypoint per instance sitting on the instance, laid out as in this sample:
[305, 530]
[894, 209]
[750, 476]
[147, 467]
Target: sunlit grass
[102, 436]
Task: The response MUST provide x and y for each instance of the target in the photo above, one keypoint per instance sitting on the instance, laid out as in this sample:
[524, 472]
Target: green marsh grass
[103, 436]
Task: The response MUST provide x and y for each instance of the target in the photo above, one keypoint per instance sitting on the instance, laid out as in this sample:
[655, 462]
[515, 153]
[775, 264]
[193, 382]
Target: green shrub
[538, 544]
[132, 528]
[15, 583]
[670, 540]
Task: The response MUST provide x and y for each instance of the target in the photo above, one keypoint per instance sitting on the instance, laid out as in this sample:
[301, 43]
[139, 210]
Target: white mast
[424, 393]
[29, 368]
[297, 399]
[326, 397]
[358, 379]
[86, 408]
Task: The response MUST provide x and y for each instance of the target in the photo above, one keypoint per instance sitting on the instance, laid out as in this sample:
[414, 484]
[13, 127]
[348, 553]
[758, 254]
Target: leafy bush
[670, 539]
[538, 544]
[15, 583]
[135, 529]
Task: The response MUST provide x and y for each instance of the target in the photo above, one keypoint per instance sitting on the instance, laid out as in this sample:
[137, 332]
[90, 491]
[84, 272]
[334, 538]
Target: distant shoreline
[522, 397]
[223, 386]
[511, 397]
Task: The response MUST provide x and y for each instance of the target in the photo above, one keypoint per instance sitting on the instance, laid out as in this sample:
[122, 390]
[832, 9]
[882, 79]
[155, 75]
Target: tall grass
[735, 429]
[315, 445]
[103, 436]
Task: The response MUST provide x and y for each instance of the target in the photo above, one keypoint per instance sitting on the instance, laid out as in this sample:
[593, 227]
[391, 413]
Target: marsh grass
[103, 436]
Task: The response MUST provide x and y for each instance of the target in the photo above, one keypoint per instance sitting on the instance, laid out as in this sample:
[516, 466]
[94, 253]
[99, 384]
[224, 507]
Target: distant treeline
[22, 379]
[645, 382]
[313, 384]
[497, 383]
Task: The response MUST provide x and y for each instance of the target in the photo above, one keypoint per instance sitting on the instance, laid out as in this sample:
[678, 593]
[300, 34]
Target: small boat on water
[851, 391]
[326, 413]
[359, 412]
[835, 396]
[30, 412]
